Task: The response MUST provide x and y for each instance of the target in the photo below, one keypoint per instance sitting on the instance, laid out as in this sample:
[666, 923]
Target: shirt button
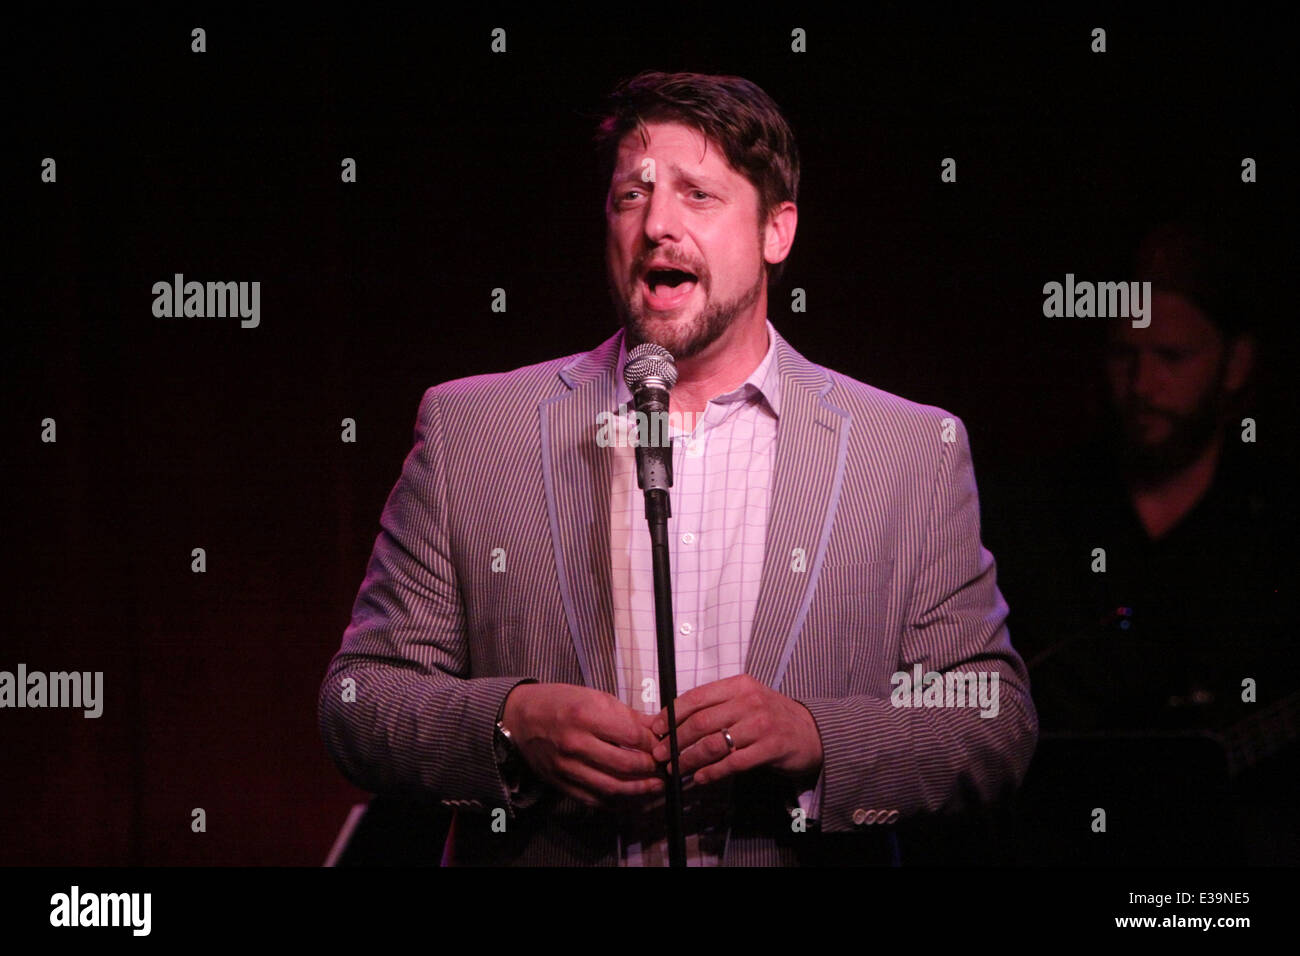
[859, 816]
[688, 538]
[686, 627]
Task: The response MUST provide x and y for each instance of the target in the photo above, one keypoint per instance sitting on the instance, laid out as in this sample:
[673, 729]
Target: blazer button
[859, 816]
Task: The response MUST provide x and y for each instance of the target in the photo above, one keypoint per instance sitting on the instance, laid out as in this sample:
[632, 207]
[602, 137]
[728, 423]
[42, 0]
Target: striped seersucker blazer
[873, 566]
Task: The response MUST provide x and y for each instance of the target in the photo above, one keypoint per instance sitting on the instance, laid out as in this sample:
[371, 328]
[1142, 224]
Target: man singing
[842, 658]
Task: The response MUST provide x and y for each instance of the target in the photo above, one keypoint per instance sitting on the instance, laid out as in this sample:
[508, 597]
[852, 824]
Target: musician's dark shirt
[1164, 637]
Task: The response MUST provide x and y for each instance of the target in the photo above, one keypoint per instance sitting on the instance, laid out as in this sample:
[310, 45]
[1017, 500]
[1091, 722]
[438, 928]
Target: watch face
[501, 743]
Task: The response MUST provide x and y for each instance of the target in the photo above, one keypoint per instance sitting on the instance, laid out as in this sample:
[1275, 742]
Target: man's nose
[663, 217]
[1145, 376]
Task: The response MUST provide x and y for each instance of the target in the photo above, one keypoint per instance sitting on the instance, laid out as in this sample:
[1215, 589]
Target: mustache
[698, 269]
[1134, 409]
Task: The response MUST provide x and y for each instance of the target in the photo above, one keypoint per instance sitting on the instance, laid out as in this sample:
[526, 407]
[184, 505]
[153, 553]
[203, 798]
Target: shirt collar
[763, 383]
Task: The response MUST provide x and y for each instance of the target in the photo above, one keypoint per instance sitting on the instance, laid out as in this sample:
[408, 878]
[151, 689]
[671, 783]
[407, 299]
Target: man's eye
[700, 194]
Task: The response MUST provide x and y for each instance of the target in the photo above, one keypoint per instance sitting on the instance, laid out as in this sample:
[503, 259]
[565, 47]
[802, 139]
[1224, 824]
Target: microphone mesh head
[649, 361]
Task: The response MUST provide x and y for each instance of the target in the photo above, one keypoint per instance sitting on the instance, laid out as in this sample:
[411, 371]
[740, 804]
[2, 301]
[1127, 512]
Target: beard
[1188, 436]
[684, 338]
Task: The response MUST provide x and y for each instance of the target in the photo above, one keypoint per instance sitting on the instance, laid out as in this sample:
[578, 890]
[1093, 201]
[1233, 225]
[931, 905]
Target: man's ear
[778, 234]
[1241, 362]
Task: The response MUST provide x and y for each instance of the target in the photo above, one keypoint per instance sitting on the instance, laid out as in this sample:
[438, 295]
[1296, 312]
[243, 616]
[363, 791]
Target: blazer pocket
[858, 577]
[847, 638]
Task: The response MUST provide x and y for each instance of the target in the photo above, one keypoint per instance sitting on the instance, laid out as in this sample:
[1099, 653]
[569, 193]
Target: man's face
[683, 251]
[1167, 382]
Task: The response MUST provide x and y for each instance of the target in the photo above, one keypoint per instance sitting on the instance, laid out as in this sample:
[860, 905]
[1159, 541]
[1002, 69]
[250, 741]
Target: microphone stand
[654, 474]
[657, 513]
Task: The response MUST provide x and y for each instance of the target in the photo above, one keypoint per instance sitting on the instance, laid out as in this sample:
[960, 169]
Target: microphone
[650, 374]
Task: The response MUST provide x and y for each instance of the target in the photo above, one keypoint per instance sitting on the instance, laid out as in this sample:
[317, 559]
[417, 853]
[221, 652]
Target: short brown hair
[729, 110]
[1191, 257]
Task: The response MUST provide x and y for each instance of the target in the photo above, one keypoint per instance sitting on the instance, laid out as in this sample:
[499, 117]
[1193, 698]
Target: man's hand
[584, 742]
[769, 730]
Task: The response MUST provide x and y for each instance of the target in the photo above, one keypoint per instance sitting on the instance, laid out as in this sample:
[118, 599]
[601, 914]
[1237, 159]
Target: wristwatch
[504, 743]
[507, 754]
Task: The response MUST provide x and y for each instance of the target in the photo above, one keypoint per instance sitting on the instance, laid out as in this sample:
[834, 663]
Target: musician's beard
[1189, 435]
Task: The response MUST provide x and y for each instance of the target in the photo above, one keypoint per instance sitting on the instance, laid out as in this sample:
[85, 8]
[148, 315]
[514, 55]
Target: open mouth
[668, 288]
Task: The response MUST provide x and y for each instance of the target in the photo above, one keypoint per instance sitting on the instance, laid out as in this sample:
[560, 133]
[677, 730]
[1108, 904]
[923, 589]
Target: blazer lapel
[576, 473]
[812, 441]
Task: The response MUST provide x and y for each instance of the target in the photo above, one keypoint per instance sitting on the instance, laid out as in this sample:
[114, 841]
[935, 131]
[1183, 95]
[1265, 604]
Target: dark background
[476, 171]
